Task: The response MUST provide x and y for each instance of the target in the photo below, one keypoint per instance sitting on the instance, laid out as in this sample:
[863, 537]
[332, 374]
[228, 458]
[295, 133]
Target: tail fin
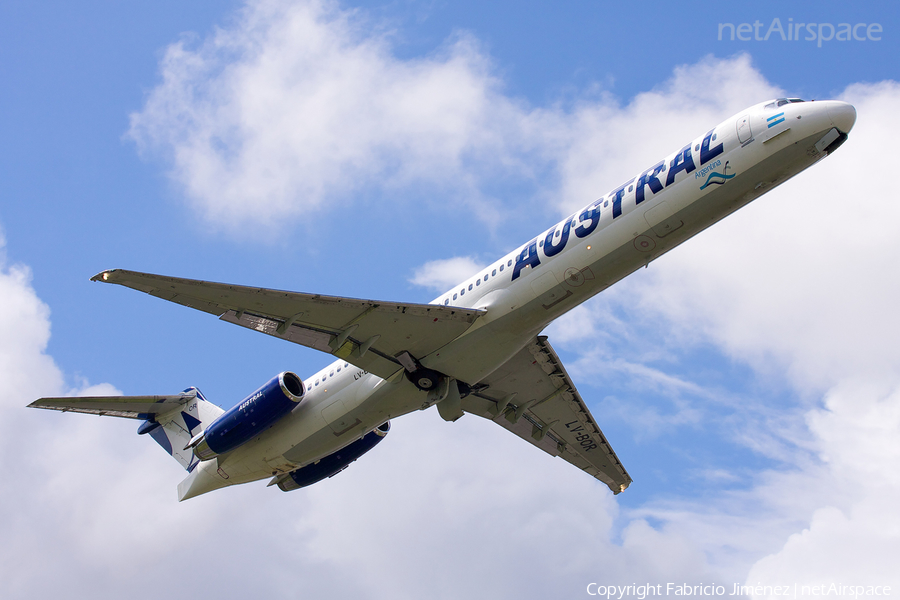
[170, 420]
[174, 429]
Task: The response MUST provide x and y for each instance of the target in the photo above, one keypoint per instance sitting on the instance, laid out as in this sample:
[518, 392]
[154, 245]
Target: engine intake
[253, 415]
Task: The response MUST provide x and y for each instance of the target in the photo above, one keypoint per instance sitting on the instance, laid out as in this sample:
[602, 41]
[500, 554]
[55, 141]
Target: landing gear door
[743, 129]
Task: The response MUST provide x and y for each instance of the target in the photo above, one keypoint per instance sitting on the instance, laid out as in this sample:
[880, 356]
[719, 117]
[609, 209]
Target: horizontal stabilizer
[170, 420]
[130, 407]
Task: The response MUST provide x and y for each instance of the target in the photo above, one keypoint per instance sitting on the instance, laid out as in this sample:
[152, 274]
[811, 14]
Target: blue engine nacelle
[333, 464]
[256, 413]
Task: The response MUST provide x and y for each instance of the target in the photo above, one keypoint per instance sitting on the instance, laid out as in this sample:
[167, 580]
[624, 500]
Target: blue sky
[745, 379]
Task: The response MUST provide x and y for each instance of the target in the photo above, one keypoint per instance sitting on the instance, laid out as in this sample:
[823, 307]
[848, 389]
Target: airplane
[476, 348]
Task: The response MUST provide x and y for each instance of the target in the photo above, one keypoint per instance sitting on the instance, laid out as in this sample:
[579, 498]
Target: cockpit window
[782, 102]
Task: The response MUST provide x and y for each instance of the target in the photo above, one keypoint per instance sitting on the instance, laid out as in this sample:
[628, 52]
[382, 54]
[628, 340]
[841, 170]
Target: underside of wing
[131, 407]
[532, 396]
[367, 333]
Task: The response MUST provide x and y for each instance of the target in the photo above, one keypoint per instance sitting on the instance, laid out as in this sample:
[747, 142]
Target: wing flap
[533, 397]
[130, 407]
[366, 333]
[373, 361]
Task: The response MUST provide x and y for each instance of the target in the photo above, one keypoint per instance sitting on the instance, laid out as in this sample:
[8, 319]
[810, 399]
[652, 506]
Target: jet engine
[253, 415]
[334, 463]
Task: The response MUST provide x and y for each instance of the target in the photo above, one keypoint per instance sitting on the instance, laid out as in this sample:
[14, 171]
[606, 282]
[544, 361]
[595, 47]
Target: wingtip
[103, 276]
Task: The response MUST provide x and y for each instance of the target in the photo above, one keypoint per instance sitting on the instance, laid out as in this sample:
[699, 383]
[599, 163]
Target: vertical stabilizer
[173, 430]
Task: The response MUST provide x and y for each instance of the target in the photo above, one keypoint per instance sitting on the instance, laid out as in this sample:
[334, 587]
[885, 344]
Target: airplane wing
[533, 396]
[366, 333]
[131, 407]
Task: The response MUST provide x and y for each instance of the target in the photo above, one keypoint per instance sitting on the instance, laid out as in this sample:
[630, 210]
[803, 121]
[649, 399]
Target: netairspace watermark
[795, 590]
[794, 32]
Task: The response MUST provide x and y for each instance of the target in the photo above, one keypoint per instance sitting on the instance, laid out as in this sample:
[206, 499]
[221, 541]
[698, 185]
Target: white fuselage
[652, 212]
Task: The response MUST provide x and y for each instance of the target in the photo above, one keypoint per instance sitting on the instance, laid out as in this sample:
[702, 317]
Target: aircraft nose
[843, 115]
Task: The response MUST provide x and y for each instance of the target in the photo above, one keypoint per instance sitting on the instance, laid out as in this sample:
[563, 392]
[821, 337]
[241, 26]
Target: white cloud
[609, 143]
[802, 277]
[297, 103]
[26, 322]
[801, 286]
[71, 490]
[294, 105]
[93, 505]
[852, 537]
[437, 509]
[441, 275]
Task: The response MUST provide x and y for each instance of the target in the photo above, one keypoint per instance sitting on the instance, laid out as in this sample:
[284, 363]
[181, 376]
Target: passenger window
[501, 267]
[462, 292]
[509, 263]
[494, 272]
[470, 287]
[454, 296]
[447, 301]
[477, 282]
